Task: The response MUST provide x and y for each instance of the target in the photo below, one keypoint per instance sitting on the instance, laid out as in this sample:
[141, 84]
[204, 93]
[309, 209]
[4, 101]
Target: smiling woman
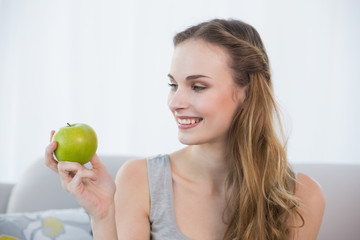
[232, 180]
[203, 88]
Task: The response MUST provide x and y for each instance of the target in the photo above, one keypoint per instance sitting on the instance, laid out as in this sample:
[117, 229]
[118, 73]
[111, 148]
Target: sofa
[39, 197]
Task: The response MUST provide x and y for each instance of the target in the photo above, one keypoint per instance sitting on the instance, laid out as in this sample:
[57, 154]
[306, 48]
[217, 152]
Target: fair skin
[203, 99]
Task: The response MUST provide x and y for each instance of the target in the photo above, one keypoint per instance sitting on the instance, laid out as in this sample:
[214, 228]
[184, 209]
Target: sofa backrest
[341, 186]
[40, 189]
[5, 191]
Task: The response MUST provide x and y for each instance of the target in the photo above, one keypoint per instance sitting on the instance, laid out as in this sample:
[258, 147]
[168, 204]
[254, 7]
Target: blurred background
[105, 63]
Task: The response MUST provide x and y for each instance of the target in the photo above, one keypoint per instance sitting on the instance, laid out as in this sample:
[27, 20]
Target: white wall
[105, 63]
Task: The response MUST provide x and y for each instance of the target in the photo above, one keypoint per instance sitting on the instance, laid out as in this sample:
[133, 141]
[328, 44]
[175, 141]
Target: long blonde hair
[261, 183]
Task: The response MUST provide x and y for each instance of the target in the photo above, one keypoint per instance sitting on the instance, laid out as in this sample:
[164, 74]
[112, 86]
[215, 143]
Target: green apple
[75, 143]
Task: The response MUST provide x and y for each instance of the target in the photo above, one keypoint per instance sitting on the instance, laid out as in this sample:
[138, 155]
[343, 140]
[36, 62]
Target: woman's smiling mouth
[188, 122]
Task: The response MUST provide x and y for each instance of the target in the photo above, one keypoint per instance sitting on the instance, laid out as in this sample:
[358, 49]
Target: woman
[232, 181]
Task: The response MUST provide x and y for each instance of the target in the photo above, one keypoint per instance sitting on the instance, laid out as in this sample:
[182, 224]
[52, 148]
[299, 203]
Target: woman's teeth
[188, 121]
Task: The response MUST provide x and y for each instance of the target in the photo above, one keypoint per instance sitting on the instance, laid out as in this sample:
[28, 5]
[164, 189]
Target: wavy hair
[261, 184]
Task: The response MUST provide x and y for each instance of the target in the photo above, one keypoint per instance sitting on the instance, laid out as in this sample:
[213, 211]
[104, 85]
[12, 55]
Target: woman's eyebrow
[191, 77]
[169, 75]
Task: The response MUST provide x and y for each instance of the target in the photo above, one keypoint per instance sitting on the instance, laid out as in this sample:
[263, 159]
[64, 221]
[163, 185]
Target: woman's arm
[93, 189]
[312, 206]
[105, 227]
[132, 201]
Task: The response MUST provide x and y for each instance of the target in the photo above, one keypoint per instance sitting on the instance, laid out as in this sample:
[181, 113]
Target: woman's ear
[240, 94]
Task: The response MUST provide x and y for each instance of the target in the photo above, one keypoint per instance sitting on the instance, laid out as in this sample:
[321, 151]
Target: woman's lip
[187, 117]
[187, 126]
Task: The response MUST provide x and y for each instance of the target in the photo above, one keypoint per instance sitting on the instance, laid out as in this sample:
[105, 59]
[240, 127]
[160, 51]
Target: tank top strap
[160, 185]
[162, 214]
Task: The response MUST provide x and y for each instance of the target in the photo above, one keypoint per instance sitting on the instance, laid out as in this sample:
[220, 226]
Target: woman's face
[203, 96]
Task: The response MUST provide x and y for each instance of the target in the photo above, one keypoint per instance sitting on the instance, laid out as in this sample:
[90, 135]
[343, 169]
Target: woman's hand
[93, 188]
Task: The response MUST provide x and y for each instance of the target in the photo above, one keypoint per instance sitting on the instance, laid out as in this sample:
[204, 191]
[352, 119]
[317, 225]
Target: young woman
[232, 181]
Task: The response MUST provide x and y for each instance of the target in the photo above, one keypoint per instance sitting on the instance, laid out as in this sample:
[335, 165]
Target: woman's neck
[204, 164]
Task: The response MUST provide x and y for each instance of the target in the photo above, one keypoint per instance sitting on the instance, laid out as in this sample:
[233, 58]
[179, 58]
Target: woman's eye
[173, 86]
[197, 88]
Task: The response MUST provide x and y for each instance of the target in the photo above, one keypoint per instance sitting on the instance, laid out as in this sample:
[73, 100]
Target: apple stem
[69, 124]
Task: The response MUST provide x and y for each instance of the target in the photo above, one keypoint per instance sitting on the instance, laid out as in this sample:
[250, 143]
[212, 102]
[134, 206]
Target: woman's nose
[178, 100]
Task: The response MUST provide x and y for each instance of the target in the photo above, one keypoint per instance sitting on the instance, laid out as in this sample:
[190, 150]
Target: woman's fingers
[72, 174]
[96, 162]
[67, 171]
[77, 183]
[51, 135]
[49, 156]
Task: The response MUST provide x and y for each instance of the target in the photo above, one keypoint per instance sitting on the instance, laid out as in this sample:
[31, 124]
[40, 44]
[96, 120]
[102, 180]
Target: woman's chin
[189, 140]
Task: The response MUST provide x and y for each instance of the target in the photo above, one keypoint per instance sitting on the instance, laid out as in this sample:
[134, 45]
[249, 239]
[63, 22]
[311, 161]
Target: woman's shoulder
[308, 190]
[132, 200]
[131, 169]
[132, 185]
[132, 163]
[311, 206]
[135, 171]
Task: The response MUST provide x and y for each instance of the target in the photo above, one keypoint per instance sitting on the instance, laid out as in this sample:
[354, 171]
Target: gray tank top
[162, 214]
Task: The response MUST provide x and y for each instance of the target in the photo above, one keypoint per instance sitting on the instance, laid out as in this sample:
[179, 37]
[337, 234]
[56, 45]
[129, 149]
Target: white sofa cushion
[46, 225]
